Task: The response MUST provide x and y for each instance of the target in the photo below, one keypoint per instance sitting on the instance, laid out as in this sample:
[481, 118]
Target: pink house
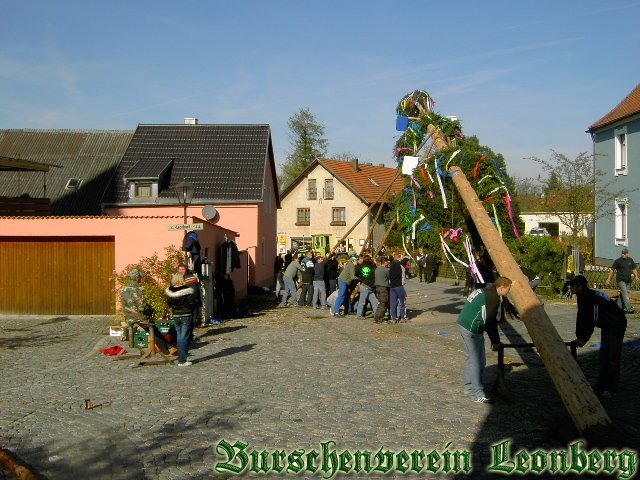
[112, 201]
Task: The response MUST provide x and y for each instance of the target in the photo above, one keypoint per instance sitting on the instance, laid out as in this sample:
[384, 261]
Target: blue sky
[525, 77]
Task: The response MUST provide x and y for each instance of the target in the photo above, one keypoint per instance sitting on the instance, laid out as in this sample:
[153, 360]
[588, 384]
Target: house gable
[327, 199]
[366, 181]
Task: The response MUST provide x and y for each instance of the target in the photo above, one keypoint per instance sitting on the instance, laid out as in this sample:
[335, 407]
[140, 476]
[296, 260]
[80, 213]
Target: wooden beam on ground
[586, 411]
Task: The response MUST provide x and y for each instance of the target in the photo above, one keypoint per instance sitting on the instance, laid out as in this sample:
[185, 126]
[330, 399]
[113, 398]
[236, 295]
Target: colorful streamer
[497, 221]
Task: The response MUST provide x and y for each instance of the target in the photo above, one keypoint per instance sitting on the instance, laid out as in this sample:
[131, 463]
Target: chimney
[354, 164]
[190, 121]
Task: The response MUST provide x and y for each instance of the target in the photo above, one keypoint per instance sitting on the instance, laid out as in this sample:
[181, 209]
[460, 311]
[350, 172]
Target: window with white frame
[338, 216]
[303, 216]
[312, 190]
[620, 139]
[328, 189]
[143, 190]
[622, 215]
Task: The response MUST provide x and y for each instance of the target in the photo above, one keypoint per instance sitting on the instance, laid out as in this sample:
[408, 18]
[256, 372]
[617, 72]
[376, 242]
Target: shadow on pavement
[226, 352]
[221, 330]
[34, 340]
[155, 456]
[529, 399]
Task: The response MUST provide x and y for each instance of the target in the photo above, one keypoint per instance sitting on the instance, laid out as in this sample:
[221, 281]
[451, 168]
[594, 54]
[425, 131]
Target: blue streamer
[413, 210]
[495, 163]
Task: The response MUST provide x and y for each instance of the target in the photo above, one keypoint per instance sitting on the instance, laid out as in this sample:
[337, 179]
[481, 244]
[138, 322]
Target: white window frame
[312, 189]
[338, 216]
[621, 159]
[303, 216]
[621, 217]
[328, 192]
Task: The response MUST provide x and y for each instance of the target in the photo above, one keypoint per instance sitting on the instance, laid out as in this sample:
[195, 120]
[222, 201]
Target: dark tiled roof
[627, 107]
[89, 155]
[226, 163]
[368, 181]
[148, 168]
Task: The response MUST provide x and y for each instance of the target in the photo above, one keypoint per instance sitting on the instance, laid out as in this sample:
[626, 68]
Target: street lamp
[184, 191]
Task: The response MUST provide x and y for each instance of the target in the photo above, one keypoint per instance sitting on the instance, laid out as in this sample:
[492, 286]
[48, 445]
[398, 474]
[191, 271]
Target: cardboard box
[115, 331]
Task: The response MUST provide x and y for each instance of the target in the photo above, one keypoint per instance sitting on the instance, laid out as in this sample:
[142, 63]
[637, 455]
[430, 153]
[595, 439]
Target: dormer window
[145, 179]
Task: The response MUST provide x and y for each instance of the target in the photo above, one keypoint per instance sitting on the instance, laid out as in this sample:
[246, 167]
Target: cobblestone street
[282, 379]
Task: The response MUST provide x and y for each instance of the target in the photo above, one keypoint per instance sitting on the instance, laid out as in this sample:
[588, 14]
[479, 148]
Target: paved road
[283, 379]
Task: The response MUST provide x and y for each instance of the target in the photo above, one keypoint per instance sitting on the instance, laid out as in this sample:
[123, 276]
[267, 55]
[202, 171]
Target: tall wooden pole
[583, 406]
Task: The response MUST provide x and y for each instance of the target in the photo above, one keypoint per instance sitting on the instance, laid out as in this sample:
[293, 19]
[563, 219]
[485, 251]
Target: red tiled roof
[628, 106]
[368, 182]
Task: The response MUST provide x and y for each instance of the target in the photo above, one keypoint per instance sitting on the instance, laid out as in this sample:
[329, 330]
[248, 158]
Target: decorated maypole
[430, 152]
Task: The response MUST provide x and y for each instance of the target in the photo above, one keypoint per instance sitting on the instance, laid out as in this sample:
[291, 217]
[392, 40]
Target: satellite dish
[209, 212]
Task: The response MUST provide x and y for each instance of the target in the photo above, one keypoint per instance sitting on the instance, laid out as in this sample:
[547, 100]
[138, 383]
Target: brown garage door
[57, 275]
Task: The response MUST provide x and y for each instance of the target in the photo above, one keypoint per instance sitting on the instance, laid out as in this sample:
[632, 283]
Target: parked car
[539, 232]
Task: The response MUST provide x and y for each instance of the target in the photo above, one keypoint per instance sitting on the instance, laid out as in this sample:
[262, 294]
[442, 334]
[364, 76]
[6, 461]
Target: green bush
[545, 257]
[156, 275]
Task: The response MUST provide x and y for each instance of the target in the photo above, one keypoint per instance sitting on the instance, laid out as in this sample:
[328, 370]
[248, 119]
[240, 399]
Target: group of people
[428, 265]
[482, 307]
[344, 287]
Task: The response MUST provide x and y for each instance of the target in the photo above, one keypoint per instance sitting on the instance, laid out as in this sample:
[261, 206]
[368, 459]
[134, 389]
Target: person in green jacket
[345, 278]
[479, 314]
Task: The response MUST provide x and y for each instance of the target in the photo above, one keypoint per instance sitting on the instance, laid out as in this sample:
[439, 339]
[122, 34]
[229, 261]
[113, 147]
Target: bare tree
[529, 193]
[571, 190]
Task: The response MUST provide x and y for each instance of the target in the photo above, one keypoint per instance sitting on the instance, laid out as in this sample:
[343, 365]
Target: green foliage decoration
[156, 275]
[484, 169]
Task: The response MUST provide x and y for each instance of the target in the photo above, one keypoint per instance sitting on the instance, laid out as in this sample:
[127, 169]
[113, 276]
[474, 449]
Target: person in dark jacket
[184, 300]
[623, 267]
[191, 245]
[382, 289]
[319, 286]
[397, 292]
[331, 273]
[595, 309]
[306, 280]
[367, 286]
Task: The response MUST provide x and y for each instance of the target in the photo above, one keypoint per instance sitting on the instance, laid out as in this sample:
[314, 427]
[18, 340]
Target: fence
[596, 276]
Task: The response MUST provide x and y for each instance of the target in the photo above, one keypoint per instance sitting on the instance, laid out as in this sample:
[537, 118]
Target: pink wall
[255, 225]
[135, 236]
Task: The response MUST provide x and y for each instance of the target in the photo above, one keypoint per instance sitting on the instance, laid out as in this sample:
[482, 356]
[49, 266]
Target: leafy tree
[570, 190]
[306, 142]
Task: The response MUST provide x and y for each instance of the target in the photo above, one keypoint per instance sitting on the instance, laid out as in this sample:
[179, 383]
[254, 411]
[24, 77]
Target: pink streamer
[507, 200]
